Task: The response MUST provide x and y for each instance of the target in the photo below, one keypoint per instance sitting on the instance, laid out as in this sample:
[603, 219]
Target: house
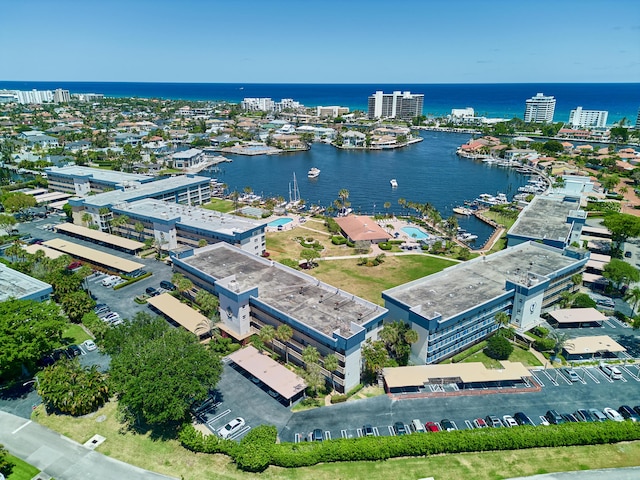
[187, 158]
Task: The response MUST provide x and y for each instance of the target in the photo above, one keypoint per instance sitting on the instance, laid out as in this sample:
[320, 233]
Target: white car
[613, 415]
[110, 280]
[112, 317]
[509, 421]
[89, 345]
[232, 427]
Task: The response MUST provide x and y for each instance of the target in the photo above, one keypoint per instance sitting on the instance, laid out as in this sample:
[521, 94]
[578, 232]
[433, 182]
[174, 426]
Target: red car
[74, 265]
[431, 427]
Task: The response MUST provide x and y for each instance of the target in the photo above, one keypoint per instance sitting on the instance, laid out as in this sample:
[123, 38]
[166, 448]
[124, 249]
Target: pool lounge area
[415, 233]
[279, 224]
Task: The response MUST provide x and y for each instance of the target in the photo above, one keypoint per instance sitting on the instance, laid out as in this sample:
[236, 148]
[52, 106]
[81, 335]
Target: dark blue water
[428, 171]
[493, 100]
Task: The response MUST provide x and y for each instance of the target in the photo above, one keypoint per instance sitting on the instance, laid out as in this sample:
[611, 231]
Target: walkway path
[60, 457]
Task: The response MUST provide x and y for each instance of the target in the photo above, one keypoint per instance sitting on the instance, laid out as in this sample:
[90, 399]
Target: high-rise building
[540, 109]
[638, 120]
[588, 118]
[61, 96]
[402, 105]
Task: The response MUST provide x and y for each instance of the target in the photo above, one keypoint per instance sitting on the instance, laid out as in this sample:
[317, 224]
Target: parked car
[597, 415]
[447, 425]
[111, 317]
[232, 427]
[432, 427]
[138, 273]
[399, 428]
[628, 413]
[74, 265]
[584, 415]
[627, 254]
[110, 280]
[167, 285]
[572, 375]
[637, 409]
[509, 421]
[74, 351]
[416, 426]
[612, 414]
[493, 421]
[89, 345]
[317, 435]
[105, 313]
[570, 417]
[101, 309]
[367, 430]
[554, 417]
[480, 423]
[151, 291]
[611, 371]
[523, 419]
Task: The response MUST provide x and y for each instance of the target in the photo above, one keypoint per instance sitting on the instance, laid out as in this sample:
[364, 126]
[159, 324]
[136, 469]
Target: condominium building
[15, 284]
[61, 96]
[588, 118]
[84, 180]
[257, 104]
[402, 105]
[255, 292]
[540, 109]
[332, 111]
[457, 307]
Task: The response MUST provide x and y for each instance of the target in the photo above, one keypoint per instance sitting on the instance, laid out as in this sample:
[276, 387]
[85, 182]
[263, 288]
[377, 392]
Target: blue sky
[346, 41]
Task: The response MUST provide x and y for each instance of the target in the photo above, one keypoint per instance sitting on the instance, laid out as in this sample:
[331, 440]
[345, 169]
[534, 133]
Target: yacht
[462, 211]
[394, 183]
[313, 173]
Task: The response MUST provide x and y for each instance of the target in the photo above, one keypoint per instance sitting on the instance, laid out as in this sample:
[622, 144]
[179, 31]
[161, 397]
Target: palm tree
[387, 206]
[267, 334]
[87, 219]
[560, 339]
[181, 282]
[502, 319]
[310, 355]
[331, 364]
[139, 228]
[284, 334]
[633, 297]
[120, 221]
[411, 336]
[206, 327]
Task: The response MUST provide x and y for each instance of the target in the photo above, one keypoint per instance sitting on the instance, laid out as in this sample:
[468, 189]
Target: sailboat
[294, 194]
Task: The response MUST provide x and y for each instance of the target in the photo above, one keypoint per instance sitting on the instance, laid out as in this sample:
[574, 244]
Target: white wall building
[255, 104]
[403, 105]
[588, 118]
[540, 109]
[331, 111]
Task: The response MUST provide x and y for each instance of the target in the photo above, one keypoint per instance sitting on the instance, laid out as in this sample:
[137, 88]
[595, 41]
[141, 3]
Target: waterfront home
[289, 142]
[353, 139]
[187, 158]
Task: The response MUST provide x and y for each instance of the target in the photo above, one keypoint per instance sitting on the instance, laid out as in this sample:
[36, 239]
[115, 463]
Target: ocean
[621, 100]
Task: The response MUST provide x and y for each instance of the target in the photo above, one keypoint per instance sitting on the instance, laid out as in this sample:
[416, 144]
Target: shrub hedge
[259, 450]
[132, 280]
[338, 240]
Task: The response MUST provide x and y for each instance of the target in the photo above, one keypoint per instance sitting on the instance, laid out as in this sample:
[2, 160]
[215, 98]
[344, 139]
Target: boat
[394, 183]
[313, 173]
[462, 211]
[467, 237]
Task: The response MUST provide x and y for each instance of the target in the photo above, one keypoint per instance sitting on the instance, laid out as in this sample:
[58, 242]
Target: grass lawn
[169, 458]
[283, 244]
[21, 469]
[518, 355]
[219, 205]
[369, 282]
[505, 221]
[75, 334]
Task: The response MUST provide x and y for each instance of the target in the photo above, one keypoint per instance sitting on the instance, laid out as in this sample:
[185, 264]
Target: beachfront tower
[540, 109]
[588, 118]
[402, 105]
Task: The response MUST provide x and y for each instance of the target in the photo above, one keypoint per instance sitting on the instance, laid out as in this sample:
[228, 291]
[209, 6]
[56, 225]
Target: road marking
[549, 377]
[344, 434]
[376, 432]
[605, 376]
[536, 377]
[219, 416]
[392, 432]
[297, 438]
[454, 424]
[327, 435]
[468, 424]
[20, 428]
[359, 431]
[588, 372]
[244, 430]
[609, 324]
[635, 377]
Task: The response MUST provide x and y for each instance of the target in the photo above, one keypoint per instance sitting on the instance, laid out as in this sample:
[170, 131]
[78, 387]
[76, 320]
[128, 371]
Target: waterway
[428, 171]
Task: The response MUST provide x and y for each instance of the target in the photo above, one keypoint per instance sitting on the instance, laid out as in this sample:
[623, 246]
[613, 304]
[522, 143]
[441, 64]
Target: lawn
[21, 469]
[219, 205]
[504, 220]
[283, 244]
[518, 355]
[75, 334]
[169, 458]
[369, 282]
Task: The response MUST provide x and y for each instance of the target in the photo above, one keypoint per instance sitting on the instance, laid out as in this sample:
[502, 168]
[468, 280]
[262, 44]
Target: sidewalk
[60, 457]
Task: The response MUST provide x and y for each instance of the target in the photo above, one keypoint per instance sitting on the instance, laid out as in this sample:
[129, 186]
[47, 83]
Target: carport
[180, 314]
[464, 375]
[577, 318]
[104, 260]
[276, 377]
[101, 238]
[587, 348]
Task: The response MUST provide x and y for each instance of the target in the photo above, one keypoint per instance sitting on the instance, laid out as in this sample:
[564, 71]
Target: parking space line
[543, 420]
[549, 377]
[376, 432]
[635, 377]
[344, 434]
[454, 424]
[359, 432]
[438, 425]
[587, 371]
[608, 323]
[219, 416]
[82, 350]
[327, 435]
[297, 438]
[468, 424]
[392, 432]
[244, 430]
[605, 376]
[536, 377]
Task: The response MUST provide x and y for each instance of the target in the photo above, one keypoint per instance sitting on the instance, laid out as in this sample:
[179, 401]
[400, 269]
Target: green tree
[208, 302]
[284, 333]
[620, 272]
[139, 228]
[181, 282]
[63, 281]
[309, 254]
[267, 334]
[622, 226]
[158, 371]
[18, 202]
[331, 364]
[28, 330]
[6, 466]
[7, 221]
[77, 304]
[498, 347]
[633, 297]
[560, 340]
[375, 356]
[395, 336]
[582, 300]
[71, 388]
[310, 354]
[502, 319]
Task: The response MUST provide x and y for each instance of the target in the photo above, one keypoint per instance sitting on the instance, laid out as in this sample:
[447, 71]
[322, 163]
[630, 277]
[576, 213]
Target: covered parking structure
[106, 261]
[473, 375]
[180, 314]
[589, 348]
[101, 238]
[576, 318]
[280, 382]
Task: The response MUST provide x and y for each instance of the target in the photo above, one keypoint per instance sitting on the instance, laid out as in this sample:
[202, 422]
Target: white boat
[313, 173]
[467, 237]
[462, 211]
[394, 183]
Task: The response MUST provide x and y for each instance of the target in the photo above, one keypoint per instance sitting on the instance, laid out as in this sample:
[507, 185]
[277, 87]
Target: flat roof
[99, 236]
[140, 191]
[14, 284]
[576, 315]
[182, 314]
[599, 343]
[592, 277]
[94, 256]
[545, 218]
[466, 285]
[597, 230]
[195, 217]
[320, 306]
[361, 227]
[51, 197]
[473, 372]
[109, 176]
[268, 371]
[48, 252]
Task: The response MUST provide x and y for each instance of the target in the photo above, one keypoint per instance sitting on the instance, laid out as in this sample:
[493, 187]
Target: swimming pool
[279, 222]
[416, 233]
